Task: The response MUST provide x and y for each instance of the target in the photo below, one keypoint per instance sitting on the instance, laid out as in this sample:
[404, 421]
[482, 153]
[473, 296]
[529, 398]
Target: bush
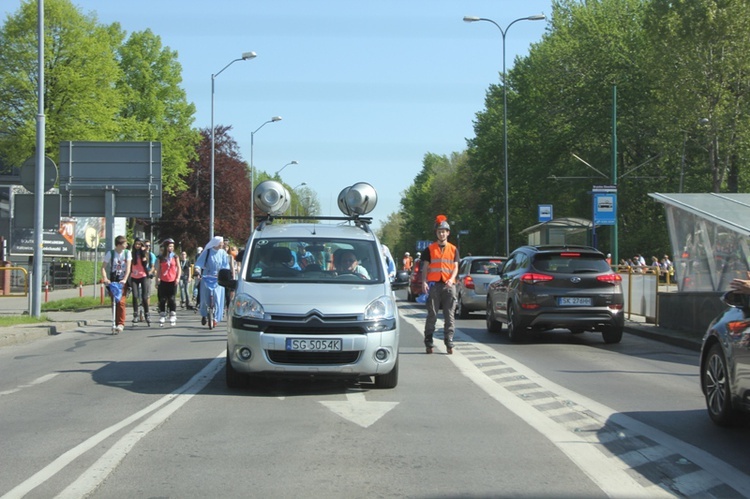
[83, 271]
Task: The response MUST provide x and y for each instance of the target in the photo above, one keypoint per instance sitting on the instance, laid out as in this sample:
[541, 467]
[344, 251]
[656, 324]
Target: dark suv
[548, 287]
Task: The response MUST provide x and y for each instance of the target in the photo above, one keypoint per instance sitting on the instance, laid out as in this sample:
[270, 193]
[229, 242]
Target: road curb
[674, 338]
[18, 335]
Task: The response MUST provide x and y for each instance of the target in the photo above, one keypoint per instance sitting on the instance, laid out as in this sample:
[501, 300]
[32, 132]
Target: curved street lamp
[245, 56]
[293, 162]
[252, 168]
[503, 32]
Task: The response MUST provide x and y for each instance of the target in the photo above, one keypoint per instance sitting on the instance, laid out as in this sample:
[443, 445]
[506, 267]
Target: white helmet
[406, 254]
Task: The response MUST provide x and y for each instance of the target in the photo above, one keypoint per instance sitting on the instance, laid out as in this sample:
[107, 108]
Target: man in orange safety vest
[439, 270]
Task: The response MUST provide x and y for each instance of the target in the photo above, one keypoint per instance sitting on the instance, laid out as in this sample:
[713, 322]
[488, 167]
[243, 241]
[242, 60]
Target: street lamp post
[245, 56]
[701, 121]
[503, 32]
[252, 168]
[293, 162]
[296, 211]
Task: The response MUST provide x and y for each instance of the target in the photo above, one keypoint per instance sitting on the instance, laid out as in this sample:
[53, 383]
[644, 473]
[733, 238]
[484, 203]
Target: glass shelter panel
[707, 256]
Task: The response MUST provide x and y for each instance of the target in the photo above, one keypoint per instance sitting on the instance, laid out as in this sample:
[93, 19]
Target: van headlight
[382, 308]
[248, 307]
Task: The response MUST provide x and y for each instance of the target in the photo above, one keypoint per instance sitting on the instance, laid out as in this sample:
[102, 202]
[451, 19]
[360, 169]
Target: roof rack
[362, 222]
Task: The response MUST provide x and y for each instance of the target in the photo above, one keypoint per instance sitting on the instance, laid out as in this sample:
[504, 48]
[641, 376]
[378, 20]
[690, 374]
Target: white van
[312, 298]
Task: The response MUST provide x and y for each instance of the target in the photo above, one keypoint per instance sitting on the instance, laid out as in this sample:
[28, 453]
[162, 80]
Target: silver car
[312, 300]
[475, 273]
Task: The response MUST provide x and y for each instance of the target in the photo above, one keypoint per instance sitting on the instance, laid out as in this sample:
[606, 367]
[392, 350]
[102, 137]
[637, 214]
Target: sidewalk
[68, 321]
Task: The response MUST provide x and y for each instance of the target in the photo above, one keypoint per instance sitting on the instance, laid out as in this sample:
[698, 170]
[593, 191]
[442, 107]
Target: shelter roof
[730, 210]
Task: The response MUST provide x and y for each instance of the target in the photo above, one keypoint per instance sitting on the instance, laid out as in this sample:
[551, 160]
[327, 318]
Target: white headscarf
[215, 241]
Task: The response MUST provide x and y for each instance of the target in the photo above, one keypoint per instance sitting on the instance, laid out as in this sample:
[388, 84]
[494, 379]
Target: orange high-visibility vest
[442, 262]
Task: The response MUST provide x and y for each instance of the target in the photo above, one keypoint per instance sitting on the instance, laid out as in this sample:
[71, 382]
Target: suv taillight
[610, 278]
[533, 278]
[468, 282]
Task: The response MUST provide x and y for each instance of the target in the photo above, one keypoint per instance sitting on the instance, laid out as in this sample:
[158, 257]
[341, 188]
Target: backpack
[113, 275]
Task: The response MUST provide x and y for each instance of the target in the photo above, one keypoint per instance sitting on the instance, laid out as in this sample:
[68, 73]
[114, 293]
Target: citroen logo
[575, 280]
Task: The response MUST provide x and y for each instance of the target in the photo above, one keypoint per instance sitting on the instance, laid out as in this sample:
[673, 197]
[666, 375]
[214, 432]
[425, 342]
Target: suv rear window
[318, 260]
[572, 263]
[488, 266]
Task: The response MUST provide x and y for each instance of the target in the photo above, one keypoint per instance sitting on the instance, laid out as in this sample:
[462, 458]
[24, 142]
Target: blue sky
[365, 88]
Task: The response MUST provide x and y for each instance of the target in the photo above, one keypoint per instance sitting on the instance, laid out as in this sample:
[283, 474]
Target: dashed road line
[624, 457]
[38, 381]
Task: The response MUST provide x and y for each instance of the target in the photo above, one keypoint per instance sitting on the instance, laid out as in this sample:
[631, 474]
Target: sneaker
[148, 319]
[172, 318]
[429, 349]
[120, 328]
[215, 324]
[203, 321]
[450, 350]
[162, 319]
[135, 319]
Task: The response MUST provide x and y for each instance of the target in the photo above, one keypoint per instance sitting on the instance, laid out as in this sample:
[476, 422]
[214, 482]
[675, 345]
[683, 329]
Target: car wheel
[612, 335]
[389, 380]
[715, 381]
[234, 379]
[492, 325]
[514, 327]
[461, 311]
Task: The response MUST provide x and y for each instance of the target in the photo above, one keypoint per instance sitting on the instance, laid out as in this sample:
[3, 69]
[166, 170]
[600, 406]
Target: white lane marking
[41, 476]
[359, 410]
[603, 467]
[38, 381]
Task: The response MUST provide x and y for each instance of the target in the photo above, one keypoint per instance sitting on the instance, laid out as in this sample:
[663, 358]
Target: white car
[329, 311]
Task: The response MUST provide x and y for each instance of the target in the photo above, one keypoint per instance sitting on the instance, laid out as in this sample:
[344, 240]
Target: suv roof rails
[361, 222]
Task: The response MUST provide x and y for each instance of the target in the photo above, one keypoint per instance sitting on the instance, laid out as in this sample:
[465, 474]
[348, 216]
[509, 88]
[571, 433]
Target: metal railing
[14, 281]
[641, 288]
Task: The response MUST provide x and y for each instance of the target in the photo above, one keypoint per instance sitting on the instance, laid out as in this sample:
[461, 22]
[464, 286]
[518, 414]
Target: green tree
[702, 48]
[80, 69]
[155, 106]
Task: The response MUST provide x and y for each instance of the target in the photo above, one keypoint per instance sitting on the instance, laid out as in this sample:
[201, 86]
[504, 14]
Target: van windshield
[318, 260]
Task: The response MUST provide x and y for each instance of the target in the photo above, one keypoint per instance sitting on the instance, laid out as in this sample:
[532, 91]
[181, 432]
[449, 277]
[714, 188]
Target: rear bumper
[575, 319]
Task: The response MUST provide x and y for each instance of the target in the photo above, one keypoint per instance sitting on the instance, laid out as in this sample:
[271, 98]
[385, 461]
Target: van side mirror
[225, 279]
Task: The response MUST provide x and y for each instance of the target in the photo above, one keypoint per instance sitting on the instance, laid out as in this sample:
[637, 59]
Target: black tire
[716, 388]
[515, 328]
[461, 311]
[234, 379]
[493, 326]
[389, 380]
[612, 335]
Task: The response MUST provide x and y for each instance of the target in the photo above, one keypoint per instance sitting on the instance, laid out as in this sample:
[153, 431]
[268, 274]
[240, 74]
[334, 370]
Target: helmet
[406, 254]
[441, 222]
[167, 241]
[419, 254]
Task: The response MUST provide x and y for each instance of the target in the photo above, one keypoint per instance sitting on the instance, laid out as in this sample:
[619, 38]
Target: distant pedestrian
[140, 282]
[407, 262]
[439, 271]
[116, 269]
[186, 277]
[212, 259]
[168, 268]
